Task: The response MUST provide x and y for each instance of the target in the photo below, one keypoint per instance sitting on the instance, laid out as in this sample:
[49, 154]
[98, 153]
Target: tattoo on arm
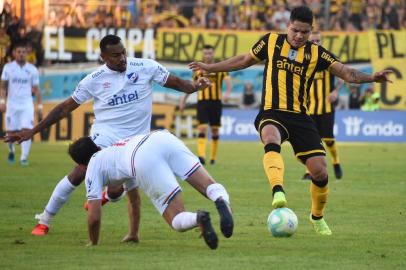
[356, 76]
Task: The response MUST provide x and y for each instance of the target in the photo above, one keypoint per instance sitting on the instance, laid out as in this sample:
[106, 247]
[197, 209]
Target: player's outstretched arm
[352, 75]
[3, 87]
[57, 113]
[134, 215]
[231, 64]
[93, 221]
[186, 86]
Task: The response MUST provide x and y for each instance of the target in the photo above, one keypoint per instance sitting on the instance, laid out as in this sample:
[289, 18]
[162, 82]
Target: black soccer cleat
[202, 160]
[212, 161]
[208, 233]
[226, 218]
[338, 172]
[307, 176]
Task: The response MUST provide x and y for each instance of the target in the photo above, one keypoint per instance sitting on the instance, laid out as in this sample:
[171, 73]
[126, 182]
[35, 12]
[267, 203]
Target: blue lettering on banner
[350, 126]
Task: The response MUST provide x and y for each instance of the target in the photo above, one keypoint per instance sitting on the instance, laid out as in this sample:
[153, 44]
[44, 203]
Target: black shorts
[209, 112]
[297, 128]
[324, 124]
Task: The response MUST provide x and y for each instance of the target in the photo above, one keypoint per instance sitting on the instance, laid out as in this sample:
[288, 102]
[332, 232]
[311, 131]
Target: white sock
[184, 221]
[25, 149]
[44, 218]
[215, 191]
[11, 147]
[60, 196]
[115, 199]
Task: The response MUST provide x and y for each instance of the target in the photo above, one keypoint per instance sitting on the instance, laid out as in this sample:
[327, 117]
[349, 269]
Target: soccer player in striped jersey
[291, 62]
[323, 95]
[209, 106]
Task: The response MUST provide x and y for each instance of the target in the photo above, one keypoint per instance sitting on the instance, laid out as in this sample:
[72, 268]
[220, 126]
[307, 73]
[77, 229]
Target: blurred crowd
[336, 15]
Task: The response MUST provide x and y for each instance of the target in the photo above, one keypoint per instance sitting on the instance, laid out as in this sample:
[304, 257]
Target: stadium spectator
[209, 106]
[248, 99]
[283, 116]
[4, 47]
[370, 100]
[151, 163]
[121, 112]
[19, 81]
[354, 100]
[322, 99]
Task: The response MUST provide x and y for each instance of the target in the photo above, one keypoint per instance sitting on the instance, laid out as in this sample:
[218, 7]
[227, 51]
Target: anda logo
[285, 65]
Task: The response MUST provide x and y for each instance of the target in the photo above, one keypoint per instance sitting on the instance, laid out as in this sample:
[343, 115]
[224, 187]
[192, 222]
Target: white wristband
[2, 101]
[40, 106]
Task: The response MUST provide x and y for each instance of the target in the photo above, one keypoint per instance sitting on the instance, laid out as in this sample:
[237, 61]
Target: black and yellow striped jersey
[288, 72]
[212, 92]
[322, 86]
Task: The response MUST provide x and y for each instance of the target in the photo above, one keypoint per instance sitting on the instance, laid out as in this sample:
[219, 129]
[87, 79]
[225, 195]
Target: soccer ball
[282, 222]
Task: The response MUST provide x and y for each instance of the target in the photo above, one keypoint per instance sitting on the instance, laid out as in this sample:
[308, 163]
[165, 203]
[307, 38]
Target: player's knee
[77, 176]
[319, 174]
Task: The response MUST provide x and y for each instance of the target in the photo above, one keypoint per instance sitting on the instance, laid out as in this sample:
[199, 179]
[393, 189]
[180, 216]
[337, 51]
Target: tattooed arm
[57, 113]
[352, 75]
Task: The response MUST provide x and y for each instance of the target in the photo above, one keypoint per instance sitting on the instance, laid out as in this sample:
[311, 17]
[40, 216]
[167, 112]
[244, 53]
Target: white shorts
[17, 119]
[157, 161]
[104, 139]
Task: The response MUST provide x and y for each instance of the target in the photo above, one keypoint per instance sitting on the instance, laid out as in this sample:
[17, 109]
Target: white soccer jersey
[149, 162]
[122, 101]
[20, 82]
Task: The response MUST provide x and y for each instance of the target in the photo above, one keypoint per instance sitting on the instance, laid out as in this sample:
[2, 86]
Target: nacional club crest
[292, 54]
[133, 77]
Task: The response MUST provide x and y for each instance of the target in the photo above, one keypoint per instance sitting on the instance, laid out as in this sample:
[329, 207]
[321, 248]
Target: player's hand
[181, 107]
[195, 66]
[202, 83]
[2, 107]
[332, 97]
[226, 97]
[130, 238]
[382, 76]
[19, 137]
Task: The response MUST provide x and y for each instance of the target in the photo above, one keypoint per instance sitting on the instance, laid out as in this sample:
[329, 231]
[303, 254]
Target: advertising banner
[388, 51]
[350, 126]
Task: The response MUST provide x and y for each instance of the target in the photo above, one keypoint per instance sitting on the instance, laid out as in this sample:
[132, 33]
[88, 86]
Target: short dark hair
[82, 150]
[109, 40]
[208, 47]
[20, 44]
[302, 14]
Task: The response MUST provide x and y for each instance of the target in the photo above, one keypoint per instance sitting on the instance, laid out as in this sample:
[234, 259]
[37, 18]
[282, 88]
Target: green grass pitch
[366, 212]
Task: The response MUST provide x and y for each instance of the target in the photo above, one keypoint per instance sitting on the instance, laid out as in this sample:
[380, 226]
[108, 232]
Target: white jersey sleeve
[5, 74]
[160, 73]
[94, 180]
[82, 92]
[35, 76]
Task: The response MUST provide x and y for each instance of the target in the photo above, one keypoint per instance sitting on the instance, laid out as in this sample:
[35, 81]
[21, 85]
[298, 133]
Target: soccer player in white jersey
[19, 82]
[151, 163]
[121, 90]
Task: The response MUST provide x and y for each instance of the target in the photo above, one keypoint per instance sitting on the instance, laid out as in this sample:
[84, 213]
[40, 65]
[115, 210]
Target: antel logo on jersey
[123, 99]
[133, 77]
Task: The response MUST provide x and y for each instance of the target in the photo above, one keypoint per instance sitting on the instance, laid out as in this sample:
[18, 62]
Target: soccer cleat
[208, 233]
[10, 158]
[338, 171]
[104, 201]
[40, 230]
[24, 162]
[202, 160]
[307, 176]
[226, 217]
[212, 162]
[320, 226]
[279, 200]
